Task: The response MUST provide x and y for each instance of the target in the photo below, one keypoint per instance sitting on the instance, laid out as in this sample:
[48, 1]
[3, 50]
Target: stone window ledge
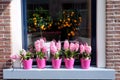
[62, 73]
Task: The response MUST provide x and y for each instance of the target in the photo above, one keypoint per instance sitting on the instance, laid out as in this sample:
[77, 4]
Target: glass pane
[59, 20]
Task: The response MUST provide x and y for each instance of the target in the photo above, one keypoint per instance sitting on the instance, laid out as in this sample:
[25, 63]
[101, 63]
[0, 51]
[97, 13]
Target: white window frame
[16, 29]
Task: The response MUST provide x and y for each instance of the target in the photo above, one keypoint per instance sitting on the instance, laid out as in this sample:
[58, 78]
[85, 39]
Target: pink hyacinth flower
[14, 57]
[58, 45]
[72, 47]
[53, 49]
[66, 44]
[88, 49]
[44, 49]
[82, 48]
[52, 43]
[42, 43]
[44, 38]
[76, 46]
[86, 44]
[37, 46]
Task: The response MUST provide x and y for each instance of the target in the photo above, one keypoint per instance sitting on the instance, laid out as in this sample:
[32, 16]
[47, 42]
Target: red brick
[117, 28]
[5, 37]
[6, 13]
[6, 28]
[117, 13]
[109, 64]
[109, 6]
[113, 2]
[4, 2]
[110, 21]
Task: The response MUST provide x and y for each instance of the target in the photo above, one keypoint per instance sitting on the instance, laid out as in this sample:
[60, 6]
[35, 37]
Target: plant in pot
[55, 50]
[25, 57]
[41, 50]
[85, 54]
[70, 51]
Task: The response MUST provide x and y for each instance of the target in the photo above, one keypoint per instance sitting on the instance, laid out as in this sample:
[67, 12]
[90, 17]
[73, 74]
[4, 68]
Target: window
[85, 31]
[18, 44]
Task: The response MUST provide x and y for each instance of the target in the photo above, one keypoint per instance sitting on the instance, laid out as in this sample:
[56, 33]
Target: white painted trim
[101, 26]
[92, 73]
[16, 26]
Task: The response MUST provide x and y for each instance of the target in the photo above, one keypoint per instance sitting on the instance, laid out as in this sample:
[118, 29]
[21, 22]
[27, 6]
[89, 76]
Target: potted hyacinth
[55, 50]
[41, 50]
[25, 57]
[70, 51]
[85, 53]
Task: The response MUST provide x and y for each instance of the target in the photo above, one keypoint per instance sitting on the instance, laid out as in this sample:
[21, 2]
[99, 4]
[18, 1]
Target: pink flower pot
[56, 63]
[27, 64]
[85, 63]
[69, 63]
[41, 63]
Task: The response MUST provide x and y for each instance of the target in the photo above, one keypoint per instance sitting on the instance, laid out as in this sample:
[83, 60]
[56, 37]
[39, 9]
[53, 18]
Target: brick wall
[113, 35]
[5, 42]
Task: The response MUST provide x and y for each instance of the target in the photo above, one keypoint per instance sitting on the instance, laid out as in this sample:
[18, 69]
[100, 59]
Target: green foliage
[25, 55]
[39, 20]
[69, 54]
[86, 55]
[69, 20]
[40, 55]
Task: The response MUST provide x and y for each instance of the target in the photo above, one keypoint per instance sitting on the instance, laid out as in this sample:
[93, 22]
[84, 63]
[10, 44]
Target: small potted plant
[70, 51]
[55, 50]
[85, 53]
[41, 50]
[25, 57]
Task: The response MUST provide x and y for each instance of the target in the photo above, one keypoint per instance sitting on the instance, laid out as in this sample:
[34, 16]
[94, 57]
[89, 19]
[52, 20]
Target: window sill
[62, 73]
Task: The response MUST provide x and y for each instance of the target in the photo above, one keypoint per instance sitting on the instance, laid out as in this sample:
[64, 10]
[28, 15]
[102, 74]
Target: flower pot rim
[86, 58]
[69, 58]
[41, 59]
[27, 59]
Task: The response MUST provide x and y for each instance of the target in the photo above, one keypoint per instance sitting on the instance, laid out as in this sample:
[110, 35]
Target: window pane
[60, 20]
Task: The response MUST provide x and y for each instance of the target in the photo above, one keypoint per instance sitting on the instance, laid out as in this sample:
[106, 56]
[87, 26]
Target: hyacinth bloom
[82, 48]
[44, 49]
[52, 45]
[76, 46]
[85, 51]
[37, 45]
[72, 47]
[55, 49]
[42, 43]
[14, 57]
[58, 45]
[66, 44]
[40, 48]
[88, 49]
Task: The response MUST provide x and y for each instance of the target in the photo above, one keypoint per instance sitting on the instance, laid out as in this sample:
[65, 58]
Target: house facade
[108, 33]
